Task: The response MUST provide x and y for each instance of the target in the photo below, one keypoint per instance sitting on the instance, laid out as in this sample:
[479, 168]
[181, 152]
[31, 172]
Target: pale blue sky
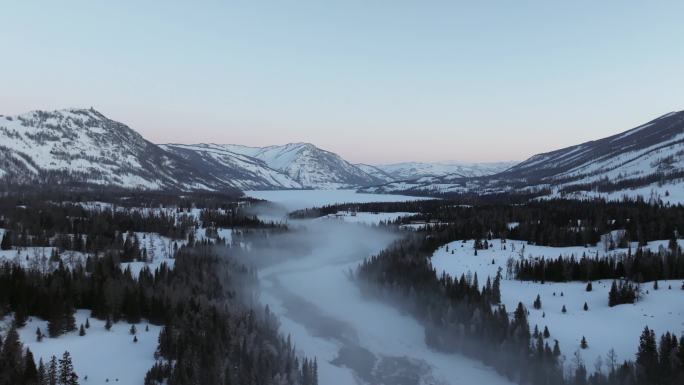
[375, 81]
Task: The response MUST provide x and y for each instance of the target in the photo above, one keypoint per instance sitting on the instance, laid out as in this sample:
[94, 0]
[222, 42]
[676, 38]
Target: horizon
[374, 83]
[434, 162]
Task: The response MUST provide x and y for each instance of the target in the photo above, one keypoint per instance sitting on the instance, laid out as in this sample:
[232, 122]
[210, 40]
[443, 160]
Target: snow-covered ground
[672, 193]
[39, 257]
[355, 340]
[101, 354]
[159, 250]
[604, 327]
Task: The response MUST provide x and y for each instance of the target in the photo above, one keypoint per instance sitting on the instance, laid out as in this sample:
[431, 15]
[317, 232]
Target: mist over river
[355, 340]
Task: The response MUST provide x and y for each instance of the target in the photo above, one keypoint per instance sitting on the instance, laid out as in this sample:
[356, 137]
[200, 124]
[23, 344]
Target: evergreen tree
[52, 373]
[547, 334]
[66, 375]
[81, 331]
[42, 373]
[30, 370]
[564, 310]
[613, 295]
[108, 323]
[585, 307]
[589, 286]
[537, 303]
[132, 330]
[11, 358]
[496, 288]
[87, 324]
[647, 357]
[583, 343]
[6, 243]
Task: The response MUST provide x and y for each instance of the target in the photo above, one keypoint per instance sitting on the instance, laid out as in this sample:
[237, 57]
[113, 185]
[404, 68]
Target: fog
[304, 278]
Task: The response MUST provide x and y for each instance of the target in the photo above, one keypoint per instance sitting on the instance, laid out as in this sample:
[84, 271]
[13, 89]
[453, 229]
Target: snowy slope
[103, 356]
[376, 172]
[415, 170]
[604, 327]
[79, 146]
[309, 165]
[239, 169]
[644, 161]
[657, 146]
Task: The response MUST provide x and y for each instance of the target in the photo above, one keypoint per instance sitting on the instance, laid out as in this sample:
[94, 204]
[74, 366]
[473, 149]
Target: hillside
[646, 161]
[83, 147]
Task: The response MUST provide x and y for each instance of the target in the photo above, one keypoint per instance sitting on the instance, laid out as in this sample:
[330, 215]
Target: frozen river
[355, 340]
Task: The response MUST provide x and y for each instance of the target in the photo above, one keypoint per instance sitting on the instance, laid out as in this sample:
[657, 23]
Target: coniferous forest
[462, 314]
[214, 331]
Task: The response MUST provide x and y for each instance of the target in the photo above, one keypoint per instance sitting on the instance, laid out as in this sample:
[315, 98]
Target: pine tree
[81, 331]
[564, 310]
[69, 324]
[133, 330]
[315, 372]
[647, 357]
[108, 323]
[585, 307]
[655, 285]
[135, 338]
[42, 373]
[537, 303]
[11, 358]
[613, 295]
[589, 286]
[39, 335]
[54, 326]
[6, 243]
[52, 373]
[66, 375]
[496, 287]
[87, 324]
[583, 343]
[30, 372]
[547, 334]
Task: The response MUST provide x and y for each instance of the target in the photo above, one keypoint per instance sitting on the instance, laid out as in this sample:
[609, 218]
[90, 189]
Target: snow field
[604, 327]
[101, 354]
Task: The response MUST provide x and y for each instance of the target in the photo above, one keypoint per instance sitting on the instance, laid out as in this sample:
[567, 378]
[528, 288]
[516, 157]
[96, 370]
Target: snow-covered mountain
[414, 170]
[308, 165]
[243, 171]
[82, 146]
[646, 161]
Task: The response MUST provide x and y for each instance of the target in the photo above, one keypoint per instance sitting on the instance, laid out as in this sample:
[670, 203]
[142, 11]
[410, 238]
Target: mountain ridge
[645, 157]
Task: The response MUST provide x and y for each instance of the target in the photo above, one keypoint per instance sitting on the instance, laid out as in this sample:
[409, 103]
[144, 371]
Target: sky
[375, 81]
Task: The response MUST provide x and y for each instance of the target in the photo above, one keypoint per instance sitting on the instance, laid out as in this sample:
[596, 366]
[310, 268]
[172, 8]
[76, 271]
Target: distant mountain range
[294, 165]
[646, 161]
[83, 147]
